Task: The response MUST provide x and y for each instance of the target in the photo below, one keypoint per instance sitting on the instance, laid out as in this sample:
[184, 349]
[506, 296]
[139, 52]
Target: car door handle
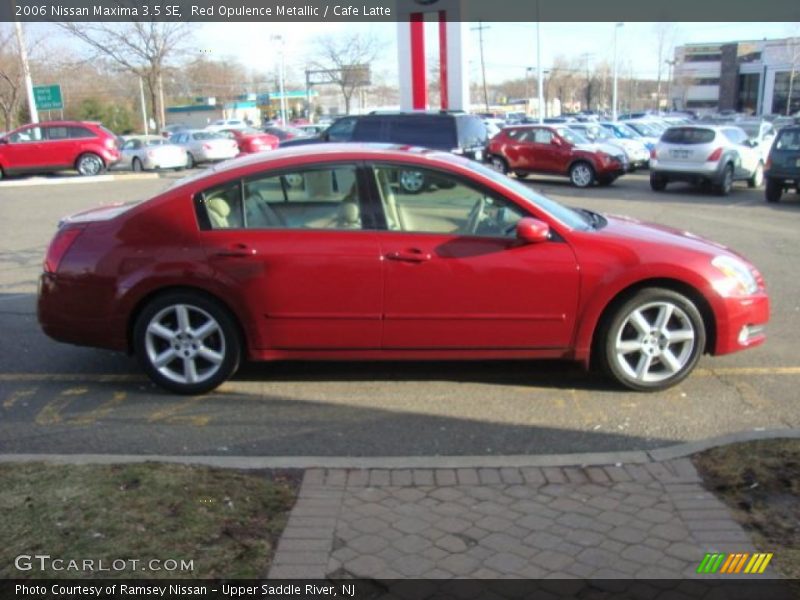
[413, 255]
[235, 251]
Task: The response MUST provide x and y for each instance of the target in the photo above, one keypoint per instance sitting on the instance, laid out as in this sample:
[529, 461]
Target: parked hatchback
[706, 155]
[782, 170]
[556, 150]
[315, 253]
[87, 147]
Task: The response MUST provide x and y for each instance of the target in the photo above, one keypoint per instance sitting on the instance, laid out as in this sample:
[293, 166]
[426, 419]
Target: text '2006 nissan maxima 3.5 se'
[318, 253]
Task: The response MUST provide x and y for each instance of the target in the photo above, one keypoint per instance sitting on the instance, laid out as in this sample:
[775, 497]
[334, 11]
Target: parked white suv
[706, 155]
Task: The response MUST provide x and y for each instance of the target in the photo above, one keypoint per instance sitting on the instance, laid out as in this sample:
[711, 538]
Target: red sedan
[555, 150]
[251, 140]
[317, 253]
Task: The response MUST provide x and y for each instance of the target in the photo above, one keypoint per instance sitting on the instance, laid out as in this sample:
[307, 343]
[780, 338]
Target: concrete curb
[414, 462]
[36, 181]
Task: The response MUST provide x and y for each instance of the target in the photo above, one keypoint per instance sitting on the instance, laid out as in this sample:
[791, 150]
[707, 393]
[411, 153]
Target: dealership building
[747, 76]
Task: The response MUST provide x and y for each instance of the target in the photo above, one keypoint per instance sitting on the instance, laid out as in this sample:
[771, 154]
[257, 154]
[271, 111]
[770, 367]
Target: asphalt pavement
[56, 398]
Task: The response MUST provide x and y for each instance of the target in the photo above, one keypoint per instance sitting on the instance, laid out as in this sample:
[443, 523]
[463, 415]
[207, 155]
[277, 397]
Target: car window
[432, 131]
[206, 135]
[542, 136]
[573, 137]
[688, 135]
[31, 134]
[425, 201]
[471, 132]
[368, 130]
[312, 198]
[80, 132]
[56, 133]
[735, 135]
[788, 139]
[221, 207]
[179, 138]
[156, 142]
[132, 145]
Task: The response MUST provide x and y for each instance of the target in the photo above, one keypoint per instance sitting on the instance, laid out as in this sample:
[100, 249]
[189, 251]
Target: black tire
[412, 181]
[89, 164]
[773, 190]
[724, 187]
[190, 163]
[582, 175]
[757, 180]
[521, 174]
[658, 183]
[136, 165]
[632, 369]
[1, 172]
[499, 164]
[224, 342]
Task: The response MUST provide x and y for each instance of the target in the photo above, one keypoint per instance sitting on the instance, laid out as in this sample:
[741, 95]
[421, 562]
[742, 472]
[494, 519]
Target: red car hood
[636, 230]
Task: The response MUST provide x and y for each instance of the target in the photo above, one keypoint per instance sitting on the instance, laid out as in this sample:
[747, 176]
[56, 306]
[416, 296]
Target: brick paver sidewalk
[653, 520]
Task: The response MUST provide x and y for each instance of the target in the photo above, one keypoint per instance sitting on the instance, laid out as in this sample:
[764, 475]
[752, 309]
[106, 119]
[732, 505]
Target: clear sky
[508, 47]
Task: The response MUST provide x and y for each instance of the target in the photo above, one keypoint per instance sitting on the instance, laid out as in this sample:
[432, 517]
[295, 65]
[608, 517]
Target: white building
[747, 76]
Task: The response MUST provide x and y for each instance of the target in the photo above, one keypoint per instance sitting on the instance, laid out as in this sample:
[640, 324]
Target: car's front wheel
[136, 165]
[758, 176]
[90, 164]
[581, 174]
[190, 163]
[499, 164]
[773, 190]
[187, 343]
[652, 341]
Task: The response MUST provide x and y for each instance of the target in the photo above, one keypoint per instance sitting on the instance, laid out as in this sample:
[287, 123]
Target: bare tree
[665, 34]
[141, 48]
[11, 81]
[342, 59]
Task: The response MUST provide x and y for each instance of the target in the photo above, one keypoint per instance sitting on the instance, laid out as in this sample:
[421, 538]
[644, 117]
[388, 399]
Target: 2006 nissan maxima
[317, 253]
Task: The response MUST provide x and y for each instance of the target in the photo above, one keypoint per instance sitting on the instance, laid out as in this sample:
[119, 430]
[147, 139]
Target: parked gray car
[148, 153]
[205, 146]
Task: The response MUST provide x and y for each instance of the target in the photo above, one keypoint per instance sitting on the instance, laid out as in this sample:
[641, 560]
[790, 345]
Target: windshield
[623, 131]
[572, 136]
[569, 217]
[643, 129]
[206, 135]
[751, 129]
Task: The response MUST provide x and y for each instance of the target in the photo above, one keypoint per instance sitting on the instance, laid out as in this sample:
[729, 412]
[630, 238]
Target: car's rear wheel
[581, 174]
[521, 174]
[190, 163]
[412, 182]
[187, 343]
[652, 341]
[136, 165]
[658, 183]
[773, 190]
[499, 164]
[89, 164]
[758, 176]
[725, 185]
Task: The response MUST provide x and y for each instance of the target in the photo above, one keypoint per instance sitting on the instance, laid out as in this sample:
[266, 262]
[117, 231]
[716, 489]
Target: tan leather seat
[218, 210]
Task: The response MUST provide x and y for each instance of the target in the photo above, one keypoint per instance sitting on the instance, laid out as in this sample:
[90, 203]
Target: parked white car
[701, 154]
[760, 132]
[636, 152]
[148, 153]
[205, 146]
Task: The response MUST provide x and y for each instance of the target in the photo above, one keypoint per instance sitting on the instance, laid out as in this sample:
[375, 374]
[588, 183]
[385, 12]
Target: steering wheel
[475, 216]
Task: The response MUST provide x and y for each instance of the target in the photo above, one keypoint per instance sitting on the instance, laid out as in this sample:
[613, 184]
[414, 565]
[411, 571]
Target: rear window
[688, 135]
[430, 132]
[788, 139]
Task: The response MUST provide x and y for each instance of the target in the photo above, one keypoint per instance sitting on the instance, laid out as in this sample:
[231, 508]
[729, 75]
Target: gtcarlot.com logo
[733, 564]
[45, 562]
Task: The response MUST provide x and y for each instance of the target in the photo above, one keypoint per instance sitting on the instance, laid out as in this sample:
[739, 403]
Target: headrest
[219, 205]
[349, 212]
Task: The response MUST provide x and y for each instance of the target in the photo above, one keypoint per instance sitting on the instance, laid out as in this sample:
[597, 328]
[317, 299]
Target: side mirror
[532, 231]
[555, 141]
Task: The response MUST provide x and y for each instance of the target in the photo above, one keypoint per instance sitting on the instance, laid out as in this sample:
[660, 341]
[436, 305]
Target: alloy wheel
[581, 175]
[90, 164]
[412, 181]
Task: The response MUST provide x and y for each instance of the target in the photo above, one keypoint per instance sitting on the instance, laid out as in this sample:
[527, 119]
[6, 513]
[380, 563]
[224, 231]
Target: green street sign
[47, 97]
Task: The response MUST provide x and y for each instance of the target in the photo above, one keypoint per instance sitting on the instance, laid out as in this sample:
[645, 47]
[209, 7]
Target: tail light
[714, 156]
[58, 248]
[151, 154]
[653, 155]
[111, 143]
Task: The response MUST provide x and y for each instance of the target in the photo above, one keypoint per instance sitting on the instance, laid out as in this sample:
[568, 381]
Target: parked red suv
[555, 150]
[87, 147]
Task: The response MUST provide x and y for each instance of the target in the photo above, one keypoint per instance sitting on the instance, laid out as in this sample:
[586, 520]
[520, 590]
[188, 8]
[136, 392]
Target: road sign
[48, 97]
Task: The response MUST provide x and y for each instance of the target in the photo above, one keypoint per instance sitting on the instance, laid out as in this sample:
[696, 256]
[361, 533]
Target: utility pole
[671, 64]
[144, 107]
[540, 83]
[480, 29]
[26, 70]
[586, 56]
[614, 112]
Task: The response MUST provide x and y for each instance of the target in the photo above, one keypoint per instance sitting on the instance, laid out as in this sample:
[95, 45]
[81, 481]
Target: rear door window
[788, 140]
[688, 135]
[431, 131]
[735, 135]
[369, 130]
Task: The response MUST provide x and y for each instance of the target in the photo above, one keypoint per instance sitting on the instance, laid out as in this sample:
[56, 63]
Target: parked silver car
[205, 146]
[148, 153]
[705, 154]
[635, 151]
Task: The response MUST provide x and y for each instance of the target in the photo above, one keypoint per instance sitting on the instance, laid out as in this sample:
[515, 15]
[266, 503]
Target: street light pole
[281, 75]
[23, 55]
[539, 66]
[614, 113]
[671, 64]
